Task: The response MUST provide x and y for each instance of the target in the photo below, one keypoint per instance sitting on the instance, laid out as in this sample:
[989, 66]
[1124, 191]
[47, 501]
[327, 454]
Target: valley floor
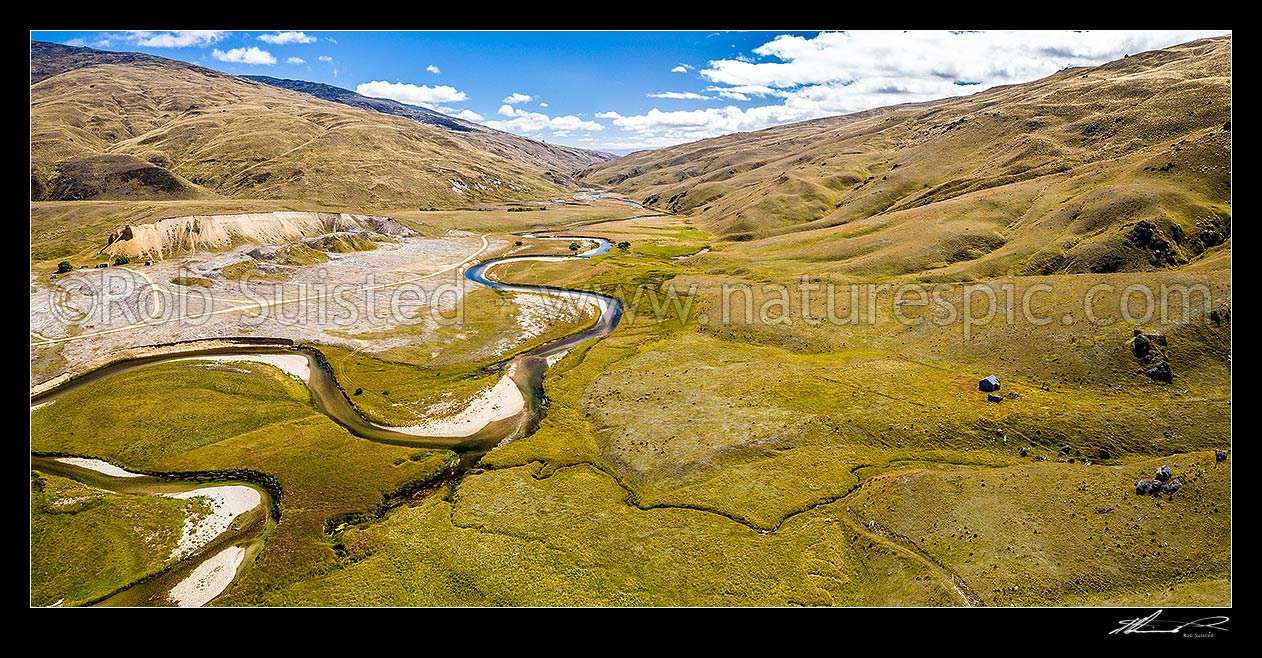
[700, 454]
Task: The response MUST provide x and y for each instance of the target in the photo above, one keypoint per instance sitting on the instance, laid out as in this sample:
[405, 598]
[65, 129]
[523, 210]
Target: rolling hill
[1120, 167]
[131, 126]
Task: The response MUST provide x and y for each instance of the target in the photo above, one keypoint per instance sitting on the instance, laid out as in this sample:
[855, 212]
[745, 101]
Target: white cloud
[251, 55]
[413, 94]
[682, 68]
[680, 95]
[295, 60]
[992, 57]
[468, 115]
[282, 38]
[330, 39]
[433, 69]
[517, 97]
[178, 38]
[148, 39]
[543, 104]
[837, 73]
[326, 59]
[524, 121]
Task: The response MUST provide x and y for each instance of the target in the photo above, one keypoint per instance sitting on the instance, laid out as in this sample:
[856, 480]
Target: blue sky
[627, 90]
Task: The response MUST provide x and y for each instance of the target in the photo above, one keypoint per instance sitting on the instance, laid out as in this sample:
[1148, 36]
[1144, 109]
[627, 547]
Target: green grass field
[86, 542]
[193, 417]
[675, 451]
[690, 460]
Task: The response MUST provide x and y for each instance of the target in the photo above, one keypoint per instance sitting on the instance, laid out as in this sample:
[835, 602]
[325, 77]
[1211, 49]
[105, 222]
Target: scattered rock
[1214, 316]
[999, 432]
[1143, 487]
[1219, 455]
[1150, 350]
[1103, 454]
[1164, 473]
[1025, 452]
[997, 398]
[1064, 450]
[1160, 372]
[1104, 510]
[1012, 395]
[1145, 236]
[1039, 458]
[1172, 486]
[1071, 460]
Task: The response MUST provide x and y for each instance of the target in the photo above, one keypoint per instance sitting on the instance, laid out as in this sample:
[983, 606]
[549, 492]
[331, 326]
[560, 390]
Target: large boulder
[1172, 486]
[1140, 346]
[1143, 487]
[1164, 473]
[1219, 455]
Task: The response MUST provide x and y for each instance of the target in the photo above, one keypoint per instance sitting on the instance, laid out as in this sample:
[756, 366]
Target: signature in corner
[1154, 624]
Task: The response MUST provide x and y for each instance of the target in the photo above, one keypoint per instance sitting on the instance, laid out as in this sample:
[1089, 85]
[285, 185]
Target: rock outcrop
[215, 232]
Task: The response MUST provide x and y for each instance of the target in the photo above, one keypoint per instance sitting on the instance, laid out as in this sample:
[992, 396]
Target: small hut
[988, 384]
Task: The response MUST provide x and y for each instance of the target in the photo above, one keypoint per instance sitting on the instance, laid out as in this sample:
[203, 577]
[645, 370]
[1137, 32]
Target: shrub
[624, 245]
[517, 244]
[65, 266]
[121, 259]
[573, 246]
[359, 391]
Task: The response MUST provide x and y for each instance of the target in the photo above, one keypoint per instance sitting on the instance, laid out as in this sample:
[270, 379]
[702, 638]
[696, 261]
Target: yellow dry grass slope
[151, 128]
[1040, 178]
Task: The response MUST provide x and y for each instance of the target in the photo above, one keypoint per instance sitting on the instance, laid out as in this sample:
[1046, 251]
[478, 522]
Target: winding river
[526, 370]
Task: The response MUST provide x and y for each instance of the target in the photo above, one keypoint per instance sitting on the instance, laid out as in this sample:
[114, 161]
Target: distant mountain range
[383, 105]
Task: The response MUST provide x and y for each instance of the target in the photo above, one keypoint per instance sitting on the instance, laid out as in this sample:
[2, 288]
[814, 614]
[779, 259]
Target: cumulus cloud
[517, 97]
[433, 69]
[150, 39]
[680, 95]
[993, 57]
[326, 59]
[841, 72]
[682, 68]
[282, 38]
[412, 94]
[468, 115]
[543, 104]
[251, 55]
[295, 60]
[524, 121]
